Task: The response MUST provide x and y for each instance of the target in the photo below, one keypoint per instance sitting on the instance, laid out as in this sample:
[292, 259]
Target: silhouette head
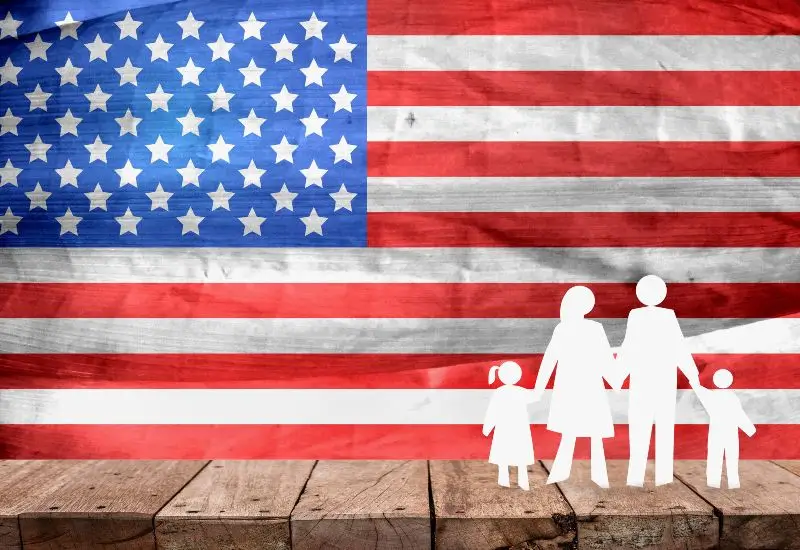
[723, 379]
[509, 373]
[576, 303]
[651, 290]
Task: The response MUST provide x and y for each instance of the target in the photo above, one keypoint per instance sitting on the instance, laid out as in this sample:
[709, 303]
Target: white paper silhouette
[652, 351]
[727, 417]
[507, 415]
[581, 356]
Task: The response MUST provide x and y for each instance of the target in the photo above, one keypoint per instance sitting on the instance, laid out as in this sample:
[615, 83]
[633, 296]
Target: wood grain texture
[791, 465]
[474, 512]
[102, 504]
[621, 518]
[353, 505]
[763, 514]
[234, 504]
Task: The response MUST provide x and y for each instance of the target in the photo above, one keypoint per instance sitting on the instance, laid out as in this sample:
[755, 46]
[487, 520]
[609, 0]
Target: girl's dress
[512, 443]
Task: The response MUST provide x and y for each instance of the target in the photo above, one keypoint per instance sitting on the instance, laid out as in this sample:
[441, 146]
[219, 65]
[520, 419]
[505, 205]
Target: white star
[284, 49]
[69, 174]
[9, 123]
[38, 48]
[220, 150]
[69, 222]
[38, 197]
[38, 149]
[220, 99]
[128, 222]
[128, 73]
[252, 73]
[159, 99]
[159, 49]
[283, 151]
[128, 123]
[190, 174]
[343, 50]
[9, 26]
[69, 123]
[313, 123]
[98, 49]
[252, 27]
[252, 174]
[190, 223]
[313, 174]
[8, 174]
[313, 26]
[283, 199]
[190, 123]
[69, 73]
[343, 150]
[190, 26]
[220, 198]
[97, 150]
[128, 174]
[252, 124]
[343, 199]
[252, 223]
[220, 49]
[284, 100]
[128, 27]
[190, 73]
[9, 72]
[38, 98]
[97, 198]
[313, 222]
[8, 222]
[69, 27]
[97, 99]
[313, 73]
[159, 150]
[159, 198]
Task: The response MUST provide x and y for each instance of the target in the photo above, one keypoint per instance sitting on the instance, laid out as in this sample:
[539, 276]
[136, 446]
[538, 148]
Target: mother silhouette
[578, 406]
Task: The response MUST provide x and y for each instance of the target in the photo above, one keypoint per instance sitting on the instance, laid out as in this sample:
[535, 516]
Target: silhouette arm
[489, 421]
[612, 370]
[547, 366]
[685, 360]
[745, 424]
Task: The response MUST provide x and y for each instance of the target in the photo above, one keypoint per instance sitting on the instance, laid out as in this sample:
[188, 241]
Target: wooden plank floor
[199, 505]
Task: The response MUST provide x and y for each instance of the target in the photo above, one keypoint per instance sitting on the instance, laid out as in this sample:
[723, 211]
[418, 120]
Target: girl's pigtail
[492, 374]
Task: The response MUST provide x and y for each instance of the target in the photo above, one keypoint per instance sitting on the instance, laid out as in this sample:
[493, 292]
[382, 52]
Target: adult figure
[581, 356]
[651, 353]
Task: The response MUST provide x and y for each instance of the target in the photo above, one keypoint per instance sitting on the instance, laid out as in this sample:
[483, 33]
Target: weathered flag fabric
[262, 229]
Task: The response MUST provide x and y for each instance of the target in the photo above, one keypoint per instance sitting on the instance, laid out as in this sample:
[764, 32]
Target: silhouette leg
[640, 426]
[599, 473]
[732, 465]
[502, 475]
[522, 477]
[714, 461]
[563, 462]
[665, 445]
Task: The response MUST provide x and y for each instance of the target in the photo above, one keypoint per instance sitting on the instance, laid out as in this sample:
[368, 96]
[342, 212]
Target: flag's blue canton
[106, 204]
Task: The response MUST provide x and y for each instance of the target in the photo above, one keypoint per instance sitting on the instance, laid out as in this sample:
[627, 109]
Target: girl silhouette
[578, 407]
[507, 414]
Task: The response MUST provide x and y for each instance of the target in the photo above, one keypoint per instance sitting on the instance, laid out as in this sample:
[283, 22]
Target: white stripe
[583, 53]
[584, 124]
[427, 335]
[397, 265]
[583, 194]
[258, 406]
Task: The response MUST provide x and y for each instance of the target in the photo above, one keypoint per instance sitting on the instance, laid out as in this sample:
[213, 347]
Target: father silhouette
[651, 353]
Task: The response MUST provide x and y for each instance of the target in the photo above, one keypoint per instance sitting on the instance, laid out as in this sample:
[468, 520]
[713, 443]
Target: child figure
[726, 418]
[507, 415]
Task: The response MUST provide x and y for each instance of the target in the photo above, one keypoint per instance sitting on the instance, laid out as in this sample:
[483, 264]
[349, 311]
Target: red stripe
[332, 371]
[379, 300]
[584, 158]
[335, 442]
[584, 229]
[639, 88]
[583, 17]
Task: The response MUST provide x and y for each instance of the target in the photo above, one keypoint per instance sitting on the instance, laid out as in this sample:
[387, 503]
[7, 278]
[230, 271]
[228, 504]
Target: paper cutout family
[581, 356]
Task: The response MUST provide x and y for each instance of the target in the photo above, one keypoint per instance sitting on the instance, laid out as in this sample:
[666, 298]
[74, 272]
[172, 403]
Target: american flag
[306, 230]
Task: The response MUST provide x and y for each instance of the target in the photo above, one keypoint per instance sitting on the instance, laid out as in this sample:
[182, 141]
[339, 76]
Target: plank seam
[575, 543]
[297, 501]
[717, 511]
[170, 499]
[431, 506]
[779, 465]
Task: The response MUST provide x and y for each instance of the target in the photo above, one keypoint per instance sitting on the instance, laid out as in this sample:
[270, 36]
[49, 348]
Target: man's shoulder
[652, 311]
